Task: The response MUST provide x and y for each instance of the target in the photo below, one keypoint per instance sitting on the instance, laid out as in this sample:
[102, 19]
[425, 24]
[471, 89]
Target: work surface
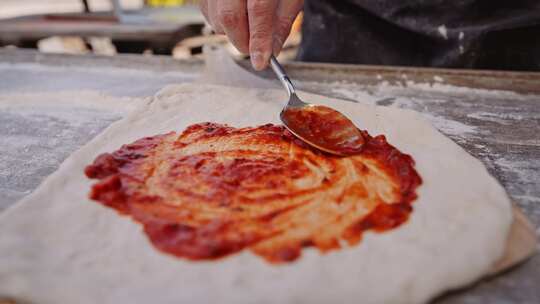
[64, 101]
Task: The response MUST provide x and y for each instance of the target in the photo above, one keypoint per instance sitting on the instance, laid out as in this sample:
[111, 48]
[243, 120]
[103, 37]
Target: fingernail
[277, 47]
[257, 60]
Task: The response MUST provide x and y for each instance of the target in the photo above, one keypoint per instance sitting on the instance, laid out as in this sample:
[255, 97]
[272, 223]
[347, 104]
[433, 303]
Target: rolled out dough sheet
[57, 246]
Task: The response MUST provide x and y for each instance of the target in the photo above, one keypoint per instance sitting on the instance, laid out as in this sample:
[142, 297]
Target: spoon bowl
[319, 126]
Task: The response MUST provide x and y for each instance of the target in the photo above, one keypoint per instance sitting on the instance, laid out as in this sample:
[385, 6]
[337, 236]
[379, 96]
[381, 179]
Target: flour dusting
[381, 97]
[438, 78]
[501, 118]
[70, 99]
[39, 130]
[443, 31]
[430, 104]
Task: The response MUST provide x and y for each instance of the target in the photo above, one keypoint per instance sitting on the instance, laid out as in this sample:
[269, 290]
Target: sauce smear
[215, 190]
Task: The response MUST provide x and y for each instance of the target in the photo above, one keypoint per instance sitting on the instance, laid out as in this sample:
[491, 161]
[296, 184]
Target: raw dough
[58, 247]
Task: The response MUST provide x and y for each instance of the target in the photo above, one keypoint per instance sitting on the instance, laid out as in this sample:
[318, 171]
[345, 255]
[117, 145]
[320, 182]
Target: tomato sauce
[215, 190]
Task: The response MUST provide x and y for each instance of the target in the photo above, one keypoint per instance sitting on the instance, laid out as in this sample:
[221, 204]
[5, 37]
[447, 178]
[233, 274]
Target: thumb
[285, 16]
[261, 16]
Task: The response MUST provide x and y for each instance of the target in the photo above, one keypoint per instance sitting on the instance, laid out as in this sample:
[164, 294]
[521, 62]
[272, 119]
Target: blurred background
[110, 27]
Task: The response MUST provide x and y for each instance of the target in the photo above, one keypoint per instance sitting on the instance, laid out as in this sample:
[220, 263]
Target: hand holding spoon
[319, 126]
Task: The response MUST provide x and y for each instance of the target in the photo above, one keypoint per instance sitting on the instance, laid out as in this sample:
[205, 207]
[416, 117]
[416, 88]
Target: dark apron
[476, 34]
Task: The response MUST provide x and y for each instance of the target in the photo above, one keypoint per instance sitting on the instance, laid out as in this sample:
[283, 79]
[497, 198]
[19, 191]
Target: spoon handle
[282, 76]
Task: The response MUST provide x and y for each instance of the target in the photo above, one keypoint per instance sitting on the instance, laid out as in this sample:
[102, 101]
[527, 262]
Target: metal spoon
[319, 126]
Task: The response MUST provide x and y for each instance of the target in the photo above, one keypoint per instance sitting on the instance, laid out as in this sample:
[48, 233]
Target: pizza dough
[59, 247]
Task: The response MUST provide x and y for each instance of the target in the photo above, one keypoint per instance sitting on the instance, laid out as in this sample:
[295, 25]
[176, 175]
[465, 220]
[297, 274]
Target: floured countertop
[51, 105]
[47, 112]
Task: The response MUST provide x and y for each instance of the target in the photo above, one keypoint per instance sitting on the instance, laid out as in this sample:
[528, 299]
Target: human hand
[257, 27]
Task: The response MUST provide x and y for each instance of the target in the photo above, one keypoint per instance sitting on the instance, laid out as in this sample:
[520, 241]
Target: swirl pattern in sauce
[214, 190]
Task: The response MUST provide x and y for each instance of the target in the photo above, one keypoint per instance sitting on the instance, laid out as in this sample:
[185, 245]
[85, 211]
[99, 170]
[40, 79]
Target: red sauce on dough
[214, 190]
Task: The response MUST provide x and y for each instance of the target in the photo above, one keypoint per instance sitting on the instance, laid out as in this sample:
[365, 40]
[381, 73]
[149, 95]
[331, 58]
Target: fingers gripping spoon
[319, 126]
